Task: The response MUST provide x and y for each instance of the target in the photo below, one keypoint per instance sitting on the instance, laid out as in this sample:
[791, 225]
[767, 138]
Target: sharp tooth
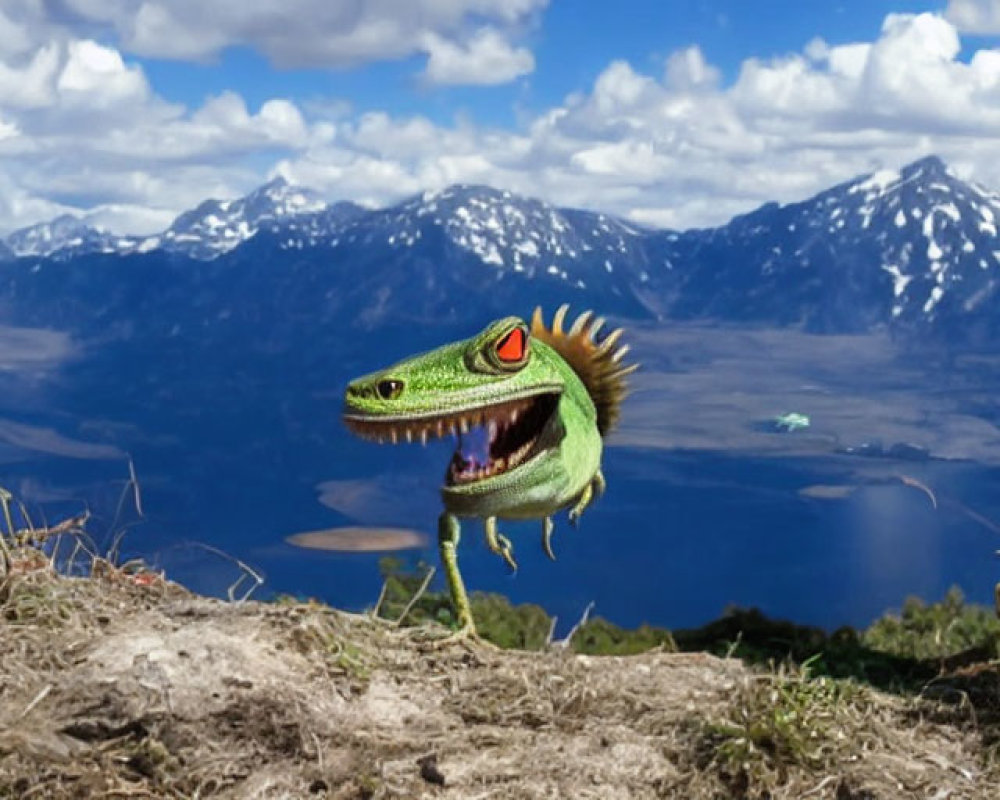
[423, 437]
[440, 428]
[463, 425]
[501, 464]
[492, 429]
[514, 415]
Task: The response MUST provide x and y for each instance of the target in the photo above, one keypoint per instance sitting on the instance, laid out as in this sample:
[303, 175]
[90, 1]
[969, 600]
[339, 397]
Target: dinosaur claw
[547, 537]
[508, 553]
[499, 544]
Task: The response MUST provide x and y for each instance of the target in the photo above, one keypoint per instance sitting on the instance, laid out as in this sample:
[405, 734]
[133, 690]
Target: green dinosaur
[529, 408]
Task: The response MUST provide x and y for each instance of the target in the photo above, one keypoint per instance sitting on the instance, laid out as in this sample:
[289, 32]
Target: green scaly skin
[429, 394]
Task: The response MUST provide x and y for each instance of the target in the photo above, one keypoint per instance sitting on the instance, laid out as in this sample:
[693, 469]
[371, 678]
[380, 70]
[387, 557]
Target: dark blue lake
[891, 491]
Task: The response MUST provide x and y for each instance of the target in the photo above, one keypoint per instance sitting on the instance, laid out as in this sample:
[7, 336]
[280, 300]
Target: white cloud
[487, 58]
[15, 38]
[684, 150]
[975, 16]
[31, 83]
[466, 41]
[81, 126]
[687, 69]
[97, 74]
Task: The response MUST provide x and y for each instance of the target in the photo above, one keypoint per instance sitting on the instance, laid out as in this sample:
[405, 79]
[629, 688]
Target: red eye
[511, 347]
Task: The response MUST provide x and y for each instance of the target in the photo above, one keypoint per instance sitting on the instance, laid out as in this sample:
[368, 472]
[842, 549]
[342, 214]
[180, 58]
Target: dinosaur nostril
[389, 389]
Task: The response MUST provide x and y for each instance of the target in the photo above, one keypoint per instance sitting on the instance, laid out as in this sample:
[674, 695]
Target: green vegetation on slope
[899, 652]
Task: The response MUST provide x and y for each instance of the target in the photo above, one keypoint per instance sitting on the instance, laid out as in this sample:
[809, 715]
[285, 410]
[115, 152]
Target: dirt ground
[129, 686]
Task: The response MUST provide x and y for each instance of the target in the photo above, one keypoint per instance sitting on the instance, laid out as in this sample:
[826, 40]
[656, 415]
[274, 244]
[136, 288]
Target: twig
[416, 596]
[563, 644]
[820, 786]
[552, 632]
[247, 572]
[38, 699]
[319, 750]
[5, 498]
[71, 525]
[136, 491]
[26, 516]
[5, 554]
[133, 484]
[381, 599]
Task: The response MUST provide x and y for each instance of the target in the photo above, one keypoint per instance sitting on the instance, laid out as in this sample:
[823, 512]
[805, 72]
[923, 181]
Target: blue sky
[672, 113]
[572, 43]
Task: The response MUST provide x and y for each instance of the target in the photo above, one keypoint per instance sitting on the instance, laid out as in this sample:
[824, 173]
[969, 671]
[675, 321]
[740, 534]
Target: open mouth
[491, 440]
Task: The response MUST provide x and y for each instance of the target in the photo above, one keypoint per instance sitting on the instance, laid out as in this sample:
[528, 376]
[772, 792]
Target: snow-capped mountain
[481, 237]
[212, 228]
[913, 250]
[521, 234]
[217, 226]
[902, 249]
[941, 246]
[66, 236]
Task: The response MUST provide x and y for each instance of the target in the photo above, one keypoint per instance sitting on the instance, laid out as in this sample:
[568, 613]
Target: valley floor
[127, 685]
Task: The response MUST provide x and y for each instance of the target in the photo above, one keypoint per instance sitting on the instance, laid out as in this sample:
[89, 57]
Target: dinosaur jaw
[502, 442]
[492, 439]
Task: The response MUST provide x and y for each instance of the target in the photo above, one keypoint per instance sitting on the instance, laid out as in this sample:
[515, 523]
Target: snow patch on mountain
[216, 227]
[907, 246]
[63, 235]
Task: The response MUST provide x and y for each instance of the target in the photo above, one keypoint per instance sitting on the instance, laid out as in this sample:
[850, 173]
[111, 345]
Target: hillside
[123, 684]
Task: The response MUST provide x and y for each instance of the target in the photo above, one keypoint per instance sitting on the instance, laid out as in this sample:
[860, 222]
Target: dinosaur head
[497, 392]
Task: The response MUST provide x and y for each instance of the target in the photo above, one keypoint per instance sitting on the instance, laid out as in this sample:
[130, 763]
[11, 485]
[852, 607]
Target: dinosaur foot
[465, 635]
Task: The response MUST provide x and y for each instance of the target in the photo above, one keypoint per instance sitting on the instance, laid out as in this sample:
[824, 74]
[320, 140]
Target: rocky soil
[126, 685]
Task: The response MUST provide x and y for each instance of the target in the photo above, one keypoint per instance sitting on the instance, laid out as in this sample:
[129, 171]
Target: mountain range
[913, 250]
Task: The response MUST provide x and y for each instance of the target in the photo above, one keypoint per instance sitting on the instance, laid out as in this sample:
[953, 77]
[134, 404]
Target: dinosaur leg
[599, 483]
[581, 504]
[498, 543]
[547, 537]
[449, 533]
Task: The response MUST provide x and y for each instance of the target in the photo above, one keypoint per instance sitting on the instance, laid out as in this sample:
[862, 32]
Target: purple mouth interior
[474, 448]
[501, 440]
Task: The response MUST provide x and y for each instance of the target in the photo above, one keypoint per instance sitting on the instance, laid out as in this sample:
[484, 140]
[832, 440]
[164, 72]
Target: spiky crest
[597, 364]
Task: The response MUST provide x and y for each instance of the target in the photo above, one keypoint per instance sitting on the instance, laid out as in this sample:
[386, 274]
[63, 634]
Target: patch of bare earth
[113, 687]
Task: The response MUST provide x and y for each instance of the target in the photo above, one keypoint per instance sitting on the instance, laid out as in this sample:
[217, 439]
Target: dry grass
[123, 684]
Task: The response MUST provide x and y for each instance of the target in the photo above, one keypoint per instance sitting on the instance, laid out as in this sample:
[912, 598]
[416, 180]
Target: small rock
[429, 769]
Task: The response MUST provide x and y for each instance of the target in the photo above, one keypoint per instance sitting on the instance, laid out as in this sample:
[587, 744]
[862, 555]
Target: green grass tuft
[936, 630]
